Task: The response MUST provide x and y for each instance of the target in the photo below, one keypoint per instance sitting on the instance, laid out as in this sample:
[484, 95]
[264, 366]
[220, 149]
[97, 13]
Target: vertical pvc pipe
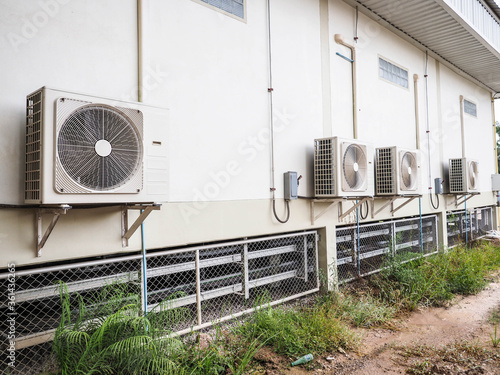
[417, 117]
[462, 125]
[144, 269]
[139, 51]
[358, 240]
[421, 231]
[339, 39]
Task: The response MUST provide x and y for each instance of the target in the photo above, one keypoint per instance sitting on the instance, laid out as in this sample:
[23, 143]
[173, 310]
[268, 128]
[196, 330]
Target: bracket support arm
[40, 239]
[146, 210]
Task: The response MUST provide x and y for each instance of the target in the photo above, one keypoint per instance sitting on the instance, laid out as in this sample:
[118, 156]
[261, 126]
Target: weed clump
[434, 280]
[293, 333]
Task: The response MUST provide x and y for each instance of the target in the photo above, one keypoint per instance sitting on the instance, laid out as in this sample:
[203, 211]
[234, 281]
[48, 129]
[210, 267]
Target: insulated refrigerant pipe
[339, 39]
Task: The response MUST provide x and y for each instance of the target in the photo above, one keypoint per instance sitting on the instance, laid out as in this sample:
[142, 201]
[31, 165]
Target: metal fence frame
[362, 249]
[468, 224]
[211, 283]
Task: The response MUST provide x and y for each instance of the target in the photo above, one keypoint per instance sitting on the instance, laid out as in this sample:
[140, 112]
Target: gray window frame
[217, 5]
[470, 106]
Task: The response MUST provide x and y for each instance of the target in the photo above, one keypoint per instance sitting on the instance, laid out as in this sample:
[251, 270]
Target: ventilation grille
[409, 171]
[324, 153]
[99, 148]
[385, 160]
[354, 167]
[33, 147]
[456, 176]
[473, 175]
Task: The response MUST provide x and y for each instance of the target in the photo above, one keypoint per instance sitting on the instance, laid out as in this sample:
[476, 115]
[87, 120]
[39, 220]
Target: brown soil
[451, 340]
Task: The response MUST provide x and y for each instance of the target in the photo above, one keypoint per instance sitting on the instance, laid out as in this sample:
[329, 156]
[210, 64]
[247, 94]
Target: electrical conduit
[271, 120]
[140, 73]
[428, 132]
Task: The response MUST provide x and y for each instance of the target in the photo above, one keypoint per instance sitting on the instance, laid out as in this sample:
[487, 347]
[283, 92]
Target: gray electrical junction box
[291, 185]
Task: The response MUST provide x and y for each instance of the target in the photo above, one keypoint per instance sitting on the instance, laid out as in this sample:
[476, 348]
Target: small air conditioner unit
[342, 168]
[397, 171]
[463, 175]
[82, 149]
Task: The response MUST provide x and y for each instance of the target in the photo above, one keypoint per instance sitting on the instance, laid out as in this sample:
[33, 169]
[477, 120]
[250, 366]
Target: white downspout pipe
[139, 51]
[462, 124]
[340, 40]
[417, 119]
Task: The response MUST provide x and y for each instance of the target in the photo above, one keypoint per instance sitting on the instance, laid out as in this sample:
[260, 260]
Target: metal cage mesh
[195, 286]
[477, 223]
[363, 251]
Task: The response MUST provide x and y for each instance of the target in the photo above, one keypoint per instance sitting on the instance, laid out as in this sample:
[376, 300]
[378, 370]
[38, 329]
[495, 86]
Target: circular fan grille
[409, 171]
[99, 147]
[473, 170]
[354, 166]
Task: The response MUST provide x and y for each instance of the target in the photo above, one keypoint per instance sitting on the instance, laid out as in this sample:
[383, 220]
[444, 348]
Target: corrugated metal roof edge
[417, 43]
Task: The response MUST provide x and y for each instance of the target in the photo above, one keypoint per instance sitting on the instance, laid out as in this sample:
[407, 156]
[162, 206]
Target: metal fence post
[144, 286]
[393, 236]
[245, 279]
[466, 226]
[421, 229]
[358, 240]
[198, 286]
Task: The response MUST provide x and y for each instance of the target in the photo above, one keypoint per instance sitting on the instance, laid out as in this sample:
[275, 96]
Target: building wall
[212, 72]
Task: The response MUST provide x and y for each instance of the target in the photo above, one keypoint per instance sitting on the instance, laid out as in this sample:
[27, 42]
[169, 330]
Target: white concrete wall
[212, 72]
[75, 45]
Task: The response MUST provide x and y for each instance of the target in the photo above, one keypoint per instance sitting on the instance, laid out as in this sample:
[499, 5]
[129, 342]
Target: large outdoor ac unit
[82, 149]
[342, 168]
[463, 175]
[397, 171]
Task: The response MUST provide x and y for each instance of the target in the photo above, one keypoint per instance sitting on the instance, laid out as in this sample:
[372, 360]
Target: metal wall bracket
[390, 201]
[343, 215]
[331, 203]
[459, 199]
[40, 239]
[146, 210]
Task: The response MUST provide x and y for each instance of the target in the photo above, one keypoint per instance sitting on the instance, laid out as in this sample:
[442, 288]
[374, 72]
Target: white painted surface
[212, 72]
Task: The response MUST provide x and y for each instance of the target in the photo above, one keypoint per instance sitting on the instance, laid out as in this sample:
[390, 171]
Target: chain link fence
[362, 250]
[193, 287]
[470, 227]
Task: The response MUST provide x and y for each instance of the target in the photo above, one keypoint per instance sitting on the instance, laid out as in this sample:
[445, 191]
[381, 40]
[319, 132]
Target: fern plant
[123, 342]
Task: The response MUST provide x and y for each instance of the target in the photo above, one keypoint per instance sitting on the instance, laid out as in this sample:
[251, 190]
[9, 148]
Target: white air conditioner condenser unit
[342, 168]
[463, 175]
[397, 171]
[82, 149]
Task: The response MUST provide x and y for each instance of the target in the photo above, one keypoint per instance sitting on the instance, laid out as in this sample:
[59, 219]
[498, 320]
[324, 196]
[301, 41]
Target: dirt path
[432, 341]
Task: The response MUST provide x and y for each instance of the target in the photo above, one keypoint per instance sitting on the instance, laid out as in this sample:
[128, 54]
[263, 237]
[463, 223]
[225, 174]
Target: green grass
[361, 309]
[297, 332]
[494, 317]
[434, 280]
